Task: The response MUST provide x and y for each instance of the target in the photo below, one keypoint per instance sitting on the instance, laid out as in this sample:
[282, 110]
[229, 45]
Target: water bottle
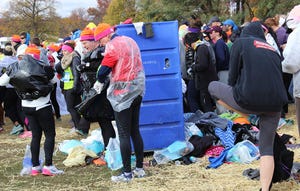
[160, 158]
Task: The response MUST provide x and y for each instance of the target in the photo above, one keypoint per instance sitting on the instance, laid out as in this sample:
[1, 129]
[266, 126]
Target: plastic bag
[113, 156]
[96, 135]
[191, 129]
[96, 146]
[243, 152]
[67, 145]
[27, 164]
[175, 151]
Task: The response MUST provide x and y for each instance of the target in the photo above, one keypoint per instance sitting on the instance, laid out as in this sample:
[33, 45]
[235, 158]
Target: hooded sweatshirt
[291, 62]
[255, 72]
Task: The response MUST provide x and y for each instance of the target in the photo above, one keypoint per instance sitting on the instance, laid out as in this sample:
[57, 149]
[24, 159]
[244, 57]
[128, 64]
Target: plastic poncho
[127, 80]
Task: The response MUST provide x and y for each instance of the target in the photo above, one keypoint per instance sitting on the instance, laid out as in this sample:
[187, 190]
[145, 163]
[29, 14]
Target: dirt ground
[227, 177]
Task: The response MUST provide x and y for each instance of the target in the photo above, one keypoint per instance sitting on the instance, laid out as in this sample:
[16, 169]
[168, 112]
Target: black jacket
[255, 72]
[204, 68]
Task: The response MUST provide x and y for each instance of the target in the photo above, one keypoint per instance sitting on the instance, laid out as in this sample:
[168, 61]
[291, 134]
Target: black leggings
[41, 121]
[128, 127]
[12, 106]
[71, 101]
[268, 121]
[107, 129]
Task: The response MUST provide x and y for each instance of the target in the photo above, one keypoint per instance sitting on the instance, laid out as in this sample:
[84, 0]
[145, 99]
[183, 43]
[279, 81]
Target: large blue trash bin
[161, 116]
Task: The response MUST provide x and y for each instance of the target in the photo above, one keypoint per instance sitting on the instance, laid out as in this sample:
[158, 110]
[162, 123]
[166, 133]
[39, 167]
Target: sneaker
[51, 171]
[80, 132]
[16, 130]
[122, 178]
[139, 172]
[36, 170]
[26, 134]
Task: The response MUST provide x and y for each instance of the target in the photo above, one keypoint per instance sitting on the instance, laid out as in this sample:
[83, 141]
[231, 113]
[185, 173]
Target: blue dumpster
[161, 117]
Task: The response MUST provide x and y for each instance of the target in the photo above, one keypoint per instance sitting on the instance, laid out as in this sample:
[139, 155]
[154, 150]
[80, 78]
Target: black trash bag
[31, 78]
[95, 106]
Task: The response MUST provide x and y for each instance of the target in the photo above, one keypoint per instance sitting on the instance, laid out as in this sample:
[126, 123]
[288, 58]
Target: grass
[159, 178]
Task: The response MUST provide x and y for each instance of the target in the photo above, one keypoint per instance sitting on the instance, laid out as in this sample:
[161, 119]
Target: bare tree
[34, 16]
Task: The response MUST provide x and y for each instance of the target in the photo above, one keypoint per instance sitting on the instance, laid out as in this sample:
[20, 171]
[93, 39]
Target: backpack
[283, 159]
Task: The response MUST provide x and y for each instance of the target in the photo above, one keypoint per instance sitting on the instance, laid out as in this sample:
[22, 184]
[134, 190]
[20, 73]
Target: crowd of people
[246, 69]
[95, 66]
[223, 66]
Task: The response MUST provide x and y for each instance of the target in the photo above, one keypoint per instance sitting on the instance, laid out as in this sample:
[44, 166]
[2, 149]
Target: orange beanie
[16, 38]
[53, 47]
[33, 51]
[87, 34]
[102, 30]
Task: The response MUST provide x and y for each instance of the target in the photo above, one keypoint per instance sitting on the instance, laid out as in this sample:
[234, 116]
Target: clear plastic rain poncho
[127, 79]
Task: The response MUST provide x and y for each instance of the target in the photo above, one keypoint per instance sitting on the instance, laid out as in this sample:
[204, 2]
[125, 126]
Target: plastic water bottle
[160, 158]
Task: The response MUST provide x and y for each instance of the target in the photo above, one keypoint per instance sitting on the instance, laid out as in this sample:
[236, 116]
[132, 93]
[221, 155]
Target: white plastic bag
[27, 164]
[113, 156]
[243, 152]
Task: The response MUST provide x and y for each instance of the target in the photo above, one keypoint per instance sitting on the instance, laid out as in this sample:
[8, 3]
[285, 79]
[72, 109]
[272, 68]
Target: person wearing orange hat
[34, 89]
[33, 51]
[122, 58]
[52, 58]
[88, 69]
[15, 42]
[53, 50]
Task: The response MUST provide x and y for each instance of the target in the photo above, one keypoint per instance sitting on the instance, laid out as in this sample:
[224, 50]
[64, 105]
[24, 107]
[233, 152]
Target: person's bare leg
[266, 171]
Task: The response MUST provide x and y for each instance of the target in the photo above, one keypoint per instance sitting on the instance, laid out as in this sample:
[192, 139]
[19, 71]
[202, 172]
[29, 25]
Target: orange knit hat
[87, 34]
[53, 47]
[102, 30]
[16, 38]
[33, 51]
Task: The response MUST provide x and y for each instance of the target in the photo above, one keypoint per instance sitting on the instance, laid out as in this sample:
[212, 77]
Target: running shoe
[26, 134]
[51, 171]
[16, 130]
[36, 170]
[139, 172]
[122, 178]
